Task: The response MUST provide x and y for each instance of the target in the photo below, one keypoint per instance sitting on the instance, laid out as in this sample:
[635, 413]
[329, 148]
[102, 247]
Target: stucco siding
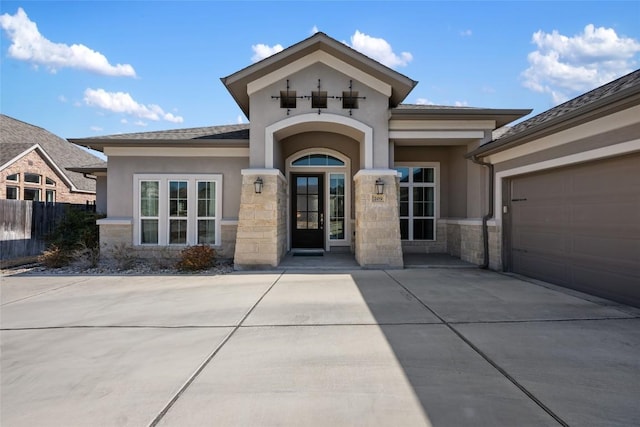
[453, 174]
[122, 169]
[372, 111]
[593, 142]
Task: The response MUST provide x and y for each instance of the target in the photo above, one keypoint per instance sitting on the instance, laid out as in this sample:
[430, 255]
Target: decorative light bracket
[257, 185]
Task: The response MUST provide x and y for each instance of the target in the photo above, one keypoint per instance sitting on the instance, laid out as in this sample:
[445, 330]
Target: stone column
[261, 239]
[377, 240]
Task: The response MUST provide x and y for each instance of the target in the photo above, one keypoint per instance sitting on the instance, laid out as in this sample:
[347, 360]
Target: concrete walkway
[413, 347]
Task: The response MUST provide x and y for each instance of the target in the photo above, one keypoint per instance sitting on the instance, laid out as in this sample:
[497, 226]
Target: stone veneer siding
[262, 225]
[377, 238]
[116, 241]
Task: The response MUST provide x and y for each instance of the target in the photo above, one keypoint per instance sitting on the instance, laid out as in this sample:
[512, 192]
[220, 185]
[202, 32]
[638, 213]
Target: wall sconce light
[379, 186]
[257, 185]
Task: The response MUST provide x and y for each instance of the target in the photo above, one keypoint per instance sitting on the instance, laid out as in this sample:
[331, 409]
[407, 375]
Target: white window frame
[163, 208]
[410, 185]
[24, 178]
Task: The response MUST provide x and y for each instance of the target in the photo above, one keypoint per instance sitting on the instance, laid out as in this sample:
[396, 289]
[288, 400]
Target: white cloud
[262, 51]
[124, 121]
[62, 98]
[27, 44]
[140, 123]
[96, 128]
[565, 66]
[240, 119]
[122, 102]
[461, 104]
[380, 50]
[466, 33]
[314, 30]
[424, 101]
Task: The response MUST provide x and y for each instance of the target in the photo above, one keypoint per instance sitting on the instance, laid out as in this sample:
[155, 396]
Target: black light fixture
[379, 186]
[257, 185]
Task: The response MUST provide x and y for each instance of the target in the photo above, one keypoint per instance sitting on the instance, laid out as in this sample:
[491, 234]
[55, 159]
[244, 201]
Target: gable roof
[237, 82]
[224, 135]
[18, 137]
[614, 96]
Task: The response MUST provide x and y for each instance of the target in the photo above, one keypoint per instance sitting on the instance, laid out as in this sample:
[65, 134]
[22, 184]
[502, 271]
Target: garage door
[579, 227]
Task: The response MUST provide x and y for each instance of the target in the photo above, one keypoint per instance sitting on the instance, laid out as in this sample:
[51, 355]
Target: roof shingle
[16, 137]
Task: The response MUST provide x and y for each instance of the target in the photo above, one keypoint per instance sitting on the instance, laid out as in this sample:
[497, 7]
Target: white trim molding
[163, 214]
[309, 60]
[51, 163]
[586, 156]
[594, 127]
[363, 131]
[177, 151]
[115, 221]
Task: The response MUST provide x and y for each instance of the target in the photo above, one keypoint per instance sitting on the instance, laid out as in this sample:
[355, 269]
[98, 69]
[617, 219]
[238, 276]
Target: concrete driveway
[440, 347]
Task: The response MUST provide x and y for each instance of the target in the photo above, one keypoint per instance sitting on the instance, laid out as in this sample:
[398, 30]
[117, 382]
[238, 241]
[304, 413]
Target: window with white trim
[417, 202]
[177, 209]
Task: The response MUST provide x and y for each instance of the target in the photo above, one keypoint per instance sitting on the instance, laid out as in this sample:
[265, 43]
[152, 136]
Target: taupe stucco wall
[122, 170]
[265, 111]
[101, 194]
[601, 140]
[453, 174]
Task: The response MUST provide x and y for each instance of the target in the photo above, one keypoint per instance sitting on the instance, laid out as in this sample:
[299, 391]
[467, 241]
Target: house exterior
[34, 165]
[332, 160]
[567, 193]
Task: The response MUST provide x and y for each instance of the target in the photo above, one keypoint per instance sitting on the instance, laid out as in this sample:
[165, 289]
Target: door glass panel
[312, 203]
[312, 221]
[301, 220]
[307, 203]
[301, 183]
[301, 202]
[312, 187]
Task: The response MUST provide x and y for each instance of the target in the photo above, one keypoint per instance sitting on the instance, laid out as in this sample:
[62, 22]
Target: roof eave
[604, 106]
[401, 89]
[501, 116]
[100, 144]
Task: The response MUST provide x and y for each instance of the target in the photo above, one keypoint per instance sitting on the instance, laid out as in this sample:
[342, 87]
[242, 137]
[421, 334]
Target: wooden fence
[24, 226]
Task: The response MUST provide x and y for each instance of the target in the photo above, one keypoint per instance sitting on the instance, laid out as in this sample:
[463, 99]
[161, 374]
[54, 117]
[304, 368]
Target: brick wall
[33, 162]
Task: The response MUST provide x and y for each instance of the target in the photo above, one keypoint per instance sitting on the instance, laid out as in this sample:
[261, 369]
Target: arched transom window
[317, 160]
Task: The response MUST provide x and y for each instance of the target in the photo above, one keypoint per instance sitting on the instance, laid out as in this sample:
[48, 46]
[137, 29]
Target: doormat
[308, 254]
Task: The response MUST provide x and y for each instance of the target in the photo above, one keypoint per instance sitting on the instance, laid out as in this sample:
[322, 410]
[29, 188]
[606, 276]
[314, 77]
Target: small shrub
[196, 258]
[124, 256]
[76, 230]
[55, 257]
[164, 258]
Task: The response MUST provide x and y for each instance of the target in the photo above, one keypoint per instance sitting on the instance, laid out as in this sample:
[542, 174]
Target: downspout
[489, 215]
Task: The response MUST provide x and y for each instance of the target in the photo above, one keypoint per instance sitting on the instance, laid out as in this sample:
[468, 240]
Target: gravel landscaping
[138, 268]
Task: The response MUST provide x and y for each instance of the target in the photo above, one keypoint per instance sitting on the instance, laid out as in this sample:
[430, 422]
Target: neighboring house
[331, 160]
[34, 165]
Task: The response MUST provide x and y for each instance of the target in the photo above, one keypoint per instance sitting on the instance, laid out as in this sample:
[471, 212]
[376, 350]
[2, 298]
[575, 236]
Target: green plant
[55, 257]
[75, 235]
[76, 230]
[194, 258]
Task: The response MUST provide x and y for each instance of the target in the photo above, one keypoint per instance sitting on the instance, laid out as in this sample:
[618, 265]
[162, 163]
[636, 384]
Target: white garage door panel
[580, 227]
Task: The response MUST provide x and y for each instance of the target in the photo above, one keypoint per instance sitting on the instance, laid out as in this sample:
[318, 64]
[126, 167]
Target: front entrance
[307, 211]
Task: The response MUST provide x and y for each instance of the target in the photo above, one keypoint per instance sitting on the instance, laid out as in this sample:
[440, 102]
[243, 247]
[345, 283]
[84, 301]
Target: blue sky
[92, 68]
